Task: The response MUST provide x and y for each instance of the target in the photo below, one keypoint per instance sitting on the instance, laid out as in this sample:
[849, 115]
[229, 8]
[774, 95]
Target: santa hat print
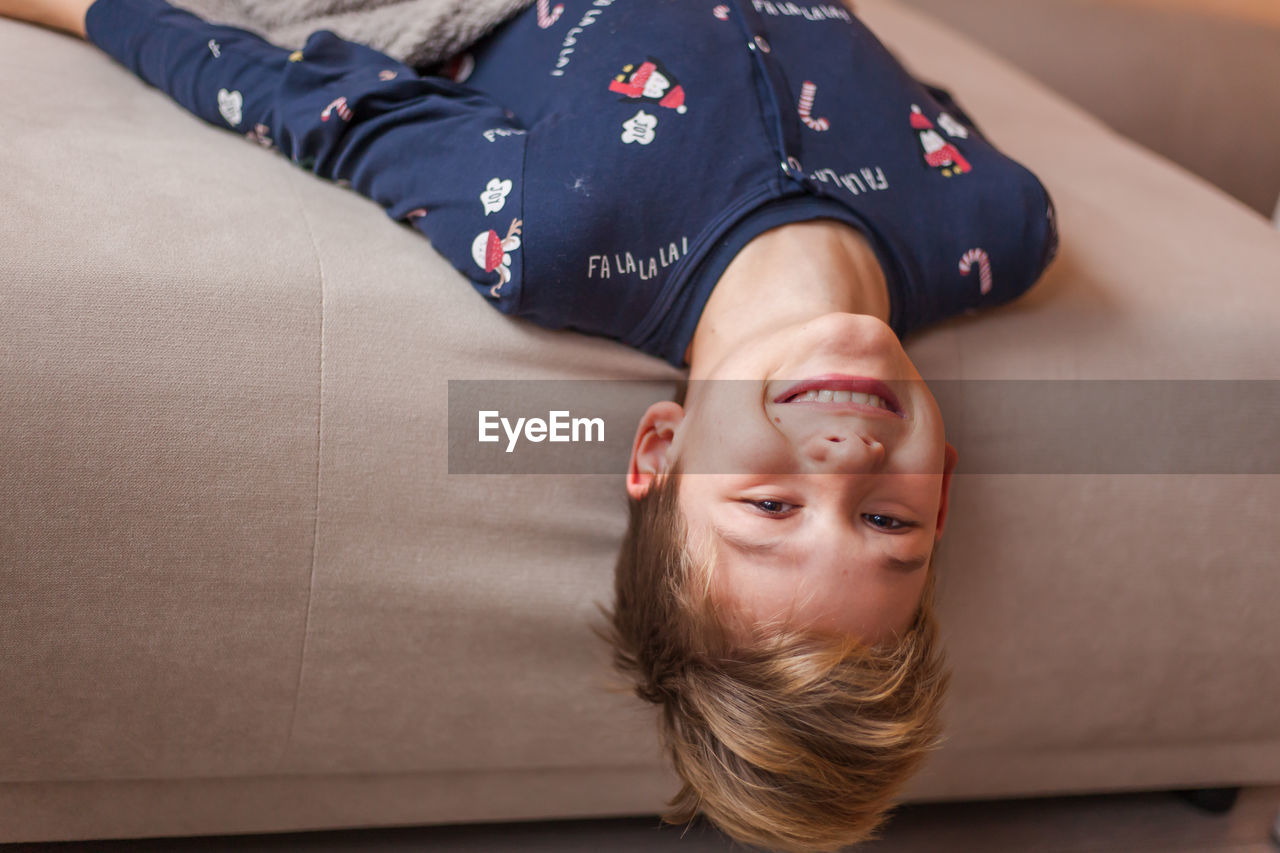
[674, 99]
[919, 121]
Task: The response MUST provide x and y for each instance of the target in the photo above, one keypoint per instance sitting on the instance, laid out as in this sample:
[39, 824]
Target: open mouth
[852, 392]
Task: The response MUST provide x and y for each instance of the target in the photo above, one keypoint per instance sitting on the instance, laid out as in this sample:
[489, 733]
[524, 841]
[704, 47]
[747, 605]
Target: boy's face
[818, 512]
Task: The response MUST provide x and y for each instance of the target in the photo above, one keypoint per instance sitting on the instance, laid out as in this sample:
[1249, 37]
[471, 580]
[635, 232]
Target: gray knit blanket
[419, 33]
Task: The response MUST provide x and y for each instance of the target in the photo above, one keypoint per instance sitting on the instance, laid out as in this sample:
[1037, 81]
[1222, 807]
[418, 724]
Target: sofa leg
[1211, 800]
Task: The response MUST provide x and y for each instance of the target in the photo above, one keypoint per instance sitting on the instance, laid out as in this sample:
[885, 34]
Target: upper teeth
[827, 395]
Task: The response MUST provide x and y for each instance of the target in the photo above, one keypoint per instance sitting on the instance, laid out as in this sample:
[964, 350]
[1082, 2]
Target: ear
[652, 445]
[951, 457]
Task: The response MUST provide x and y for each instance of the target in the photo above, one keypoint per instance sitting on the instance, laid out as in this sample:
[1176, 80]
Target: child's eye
[772, 507]
[887, 522]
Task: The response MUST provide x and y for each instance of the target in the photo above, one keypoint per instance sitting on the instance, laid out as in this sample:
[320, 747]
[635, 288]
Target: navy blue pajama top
[596, 164]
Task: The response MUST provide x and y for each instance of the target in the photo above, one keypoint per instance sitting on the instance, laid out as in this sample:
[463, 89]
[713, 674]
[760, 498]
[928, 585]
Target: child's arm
[65, 15]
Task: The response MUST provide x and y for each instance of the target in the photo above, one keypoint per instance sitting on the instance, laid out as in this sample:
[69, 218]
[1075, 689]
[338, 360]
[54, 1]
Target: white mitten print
[229, 104]
[639, 128]
[953, 128]
[494, 197]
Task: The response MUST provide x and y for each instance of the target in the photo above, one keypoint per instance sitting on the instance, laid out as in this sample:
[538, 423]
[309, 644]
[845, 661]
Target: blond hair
[784, 738]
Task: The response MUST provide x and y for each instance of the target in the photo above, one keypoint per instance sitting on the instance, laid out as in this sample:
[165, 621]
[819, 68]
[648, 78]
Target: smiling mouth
[843, 392]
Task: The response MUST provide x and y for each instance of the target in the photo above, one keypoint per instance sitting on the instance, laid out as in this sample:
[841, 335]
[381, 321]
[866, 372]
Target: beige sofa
[241, 592]
[1197, 81]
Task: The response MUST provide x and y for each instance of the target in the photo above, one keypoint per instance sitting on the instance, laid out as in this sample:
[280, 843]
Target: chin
[842, 322]
[850, 336]
[838, 342]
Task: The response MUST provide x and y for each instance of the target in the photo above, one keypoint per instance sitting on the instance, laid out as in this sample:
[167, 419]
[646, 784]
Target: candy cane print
[548, 16]
[984, 267]
[344, 112]
[807, 91]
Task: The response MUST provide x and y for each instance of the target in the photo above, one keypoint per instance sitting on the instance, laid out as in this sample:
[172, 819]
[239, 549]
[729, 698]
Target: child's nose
[845, 451]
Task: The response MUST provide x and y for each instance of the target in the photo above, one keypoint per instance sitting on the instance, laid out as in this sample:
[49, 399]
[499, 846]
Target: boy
[758, 191]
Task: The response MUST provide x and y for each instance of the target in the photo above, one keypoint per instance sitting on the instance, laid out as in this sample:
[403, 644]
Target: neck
[786, 276]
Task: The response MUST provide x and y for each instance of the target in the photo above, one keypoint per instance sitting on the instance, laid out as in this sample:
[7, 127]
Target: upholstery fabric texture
[1197, 81]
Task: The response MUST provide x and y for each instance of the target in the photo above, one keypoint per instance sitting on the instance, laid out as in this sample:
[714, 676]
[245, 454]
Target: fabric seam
[315, 530]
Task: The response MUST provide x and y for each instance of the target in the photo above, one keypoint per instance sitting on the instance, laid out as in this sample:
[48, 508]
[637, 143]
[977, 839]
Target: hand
[64, 15]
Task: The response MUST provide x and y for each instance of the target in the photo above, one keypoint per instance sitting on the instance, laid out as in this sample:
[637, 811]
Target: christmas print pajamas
[596, 164]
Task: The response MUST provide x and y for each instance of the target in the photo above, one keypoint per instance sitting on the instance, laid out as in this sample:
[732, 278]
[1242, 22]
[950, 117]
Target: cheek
[922, 455]
[725, 440]
[753, 597]
[740, 449]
